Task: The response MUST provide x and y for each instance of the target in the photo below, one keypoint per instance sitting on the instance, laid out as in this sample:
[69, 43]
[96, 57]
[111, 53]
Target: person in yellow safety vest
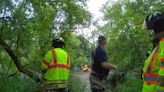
[56, 65]
[153, 70]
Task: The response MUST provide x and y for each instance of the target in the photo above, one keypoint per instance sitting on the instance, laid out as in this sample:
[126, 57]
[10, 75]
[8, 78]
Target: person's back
[56, 66]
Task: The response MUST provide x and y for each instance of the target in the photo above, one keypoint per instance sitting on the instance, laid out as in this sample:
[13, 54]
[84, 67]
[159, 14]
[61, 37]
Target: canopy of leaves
[28, 27]
[127, 42]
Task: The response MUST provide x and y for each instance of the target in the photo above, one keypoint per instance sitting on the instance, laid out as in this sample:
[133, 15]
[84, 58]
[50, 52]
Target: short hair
[57, 43]
[101, 38]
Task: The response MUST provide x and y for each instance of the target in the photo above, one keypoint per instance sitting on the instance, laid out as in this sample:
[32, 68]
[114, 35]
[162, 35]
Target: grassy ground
[18, 83]
[130, 83]
[79, 83]
[21, 83]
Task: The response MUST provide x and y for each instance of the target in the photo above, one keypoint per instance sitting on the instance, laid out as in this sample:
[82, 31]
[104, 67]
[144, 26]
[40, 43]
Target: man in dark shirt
[100, 67]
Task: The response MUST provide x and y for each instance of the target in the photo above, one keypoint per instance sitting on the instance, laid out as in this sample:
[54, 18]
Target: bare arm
[108, 65]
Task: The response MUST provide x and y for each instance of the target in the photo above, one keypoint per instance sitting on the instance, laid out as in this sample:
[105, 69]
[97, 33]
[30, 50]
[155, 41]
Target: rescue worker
[56, 65]
[153, 70]
[100, 67]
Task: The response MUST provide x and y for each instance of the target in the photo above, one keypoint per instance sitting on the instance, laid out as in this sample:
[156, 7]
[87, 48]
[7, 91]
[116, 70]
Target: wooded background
[27, 28]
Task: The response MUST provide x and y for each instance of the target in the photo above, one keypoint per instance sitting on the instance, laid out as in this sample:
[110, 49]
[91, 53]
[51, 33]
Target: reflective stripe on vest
[55, 63]
[58, 66]
[162, 39]
[149, 69]
[54, 58]
[149, 77]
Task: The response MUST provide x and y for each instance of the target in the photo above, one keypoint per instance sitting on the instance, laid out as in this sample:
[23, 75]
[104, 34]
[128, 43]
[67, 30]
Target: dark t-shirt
[98, 57]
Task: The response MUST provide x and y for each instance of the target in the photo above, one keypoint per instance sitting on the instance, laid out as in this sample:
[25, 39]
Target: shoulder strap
[68, 60]
[151, 64]
[54, 57]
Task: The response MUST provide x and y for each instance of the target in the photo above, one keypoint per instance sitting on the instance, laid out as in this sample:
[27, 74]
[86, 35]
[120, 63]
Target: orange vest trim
[55, 63]
[50, 67]
[149, 69]
[46, 62]
[54, 60]
[151, 82]
[162, 67]
[162, 39]
[156, 75]
[151, 78]
[155, 56]
[162, 59]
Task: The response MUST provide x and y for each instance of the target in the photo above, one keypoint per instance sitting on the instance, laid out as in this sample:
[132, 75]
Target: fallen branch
[31, 73]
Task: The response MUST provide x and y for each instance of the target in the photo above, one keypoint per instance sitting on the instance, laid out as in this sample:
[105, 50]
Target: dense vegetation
[27, 28]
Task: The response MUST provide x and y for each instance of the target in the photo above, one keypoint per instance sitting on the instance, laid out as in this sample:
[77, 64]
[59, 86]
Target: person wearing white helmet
[56, 68]
[153, 70]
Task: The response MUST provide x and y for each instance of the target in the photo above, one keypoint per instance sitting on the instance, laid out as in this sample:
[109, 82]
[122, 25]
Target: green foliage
[77, 47]
[127, 42]
[131, 85]
[80, 60]
[18, 83]
[28, 27]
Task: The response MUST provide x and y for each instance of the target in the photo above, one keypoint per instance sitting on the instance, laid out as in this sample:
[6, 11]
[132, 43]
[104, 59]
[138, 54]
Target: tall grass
[131, 84]
[17, 83]
[77, 85]
[22, 83]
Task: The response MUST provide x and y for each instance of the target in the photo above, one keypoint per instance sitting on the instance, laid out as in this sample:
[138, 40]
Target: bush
[130, 85]
[17, 83]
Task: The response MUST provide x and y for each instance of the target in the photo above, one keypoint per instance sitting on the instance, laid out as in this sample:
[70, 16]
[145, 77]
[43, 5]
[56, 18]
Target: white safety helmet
[154, 21]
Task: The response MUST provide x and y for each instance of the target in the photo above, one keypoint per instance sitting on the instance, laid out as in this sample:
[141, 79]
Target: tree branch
[33, 74]
[13, 74]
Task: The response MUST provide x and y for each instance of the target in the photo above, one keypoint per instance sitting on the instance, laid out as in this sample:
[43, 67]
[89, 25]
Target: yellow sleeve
[46, 60]
[161, 55]
[160, 86]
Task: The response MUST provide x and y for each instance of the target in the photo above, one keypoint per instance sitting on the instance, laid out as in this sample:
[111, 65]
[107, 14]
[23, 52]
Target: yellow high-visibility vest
[154, 67]
[57, 63]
